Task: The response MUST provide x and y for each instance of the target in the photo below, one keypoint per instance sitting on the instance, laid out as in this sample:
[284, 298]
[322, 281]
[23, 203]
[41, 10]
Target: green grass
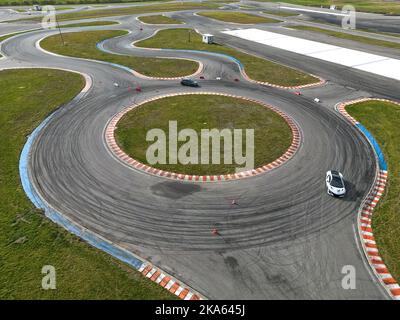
[237, 17]
[89, 24]
[280, 13]
[66, 2]
[359, 28]
[256, 68]
[163, 7]
[245, 7]
[57, 8]
[383, 33]
[159, 19]
[272, 135]
[83, 45]
[28, 240]
[64, 8]
[383, 121]
[375, 6]
[347, 36]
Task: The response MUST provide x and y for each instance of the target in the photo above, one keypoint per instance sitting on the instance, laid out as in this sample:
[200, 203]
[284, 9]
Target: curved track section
[284, 238]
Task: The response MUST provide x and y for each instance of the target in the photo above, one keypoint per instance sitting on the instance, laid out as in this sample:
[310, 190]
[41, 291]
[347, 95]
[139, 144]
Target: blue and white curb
[237, 61]
[97, 241]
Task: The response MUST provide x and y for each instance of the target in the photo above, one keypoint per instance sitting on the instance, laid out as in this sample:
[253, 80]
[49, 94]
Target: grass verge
[89, 24]
[159, 19]
[28, 240]
[68, 2]
[236, 17]
[163, 7]
[83, 45]
[280, 13]
[272, 135]
[374, 6]
[256, 68]
[347, 36]
[382, 119]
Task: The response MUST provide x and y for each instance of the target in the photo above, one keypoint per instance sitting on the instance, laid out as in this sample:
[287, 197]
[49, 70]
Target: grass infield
[83, 45]
[64, 2]
[280, 13]
[237, 17]
[28, 240]
[89, 24]
[159, 19]
[375, 6]
[382, 119]
[256, 68]
[272, 135]
[158, 7]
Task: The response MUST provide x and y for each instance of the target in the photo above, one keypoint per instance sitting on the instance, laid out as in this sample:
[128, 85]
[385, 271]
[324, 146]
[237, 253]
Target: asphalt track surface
[364, 20]
[285, 238]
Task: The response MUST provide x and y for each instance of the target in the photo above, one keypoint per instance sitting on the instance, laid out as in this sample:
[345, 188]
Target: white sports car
[335, 183]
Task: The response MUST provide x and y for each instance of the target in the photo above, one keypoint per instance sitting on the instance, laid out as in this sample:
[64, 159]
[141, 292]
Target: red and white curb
[368, 240]
[242, 69]
[122, 156]
[169, 283]
[304, 86]
[365, 215]
[196, 73]
[342, 106]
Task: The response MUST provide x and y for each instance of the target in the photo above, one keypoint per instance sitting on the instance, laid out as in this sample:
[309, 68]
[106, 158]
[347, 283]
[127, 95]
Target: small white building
[208, 38]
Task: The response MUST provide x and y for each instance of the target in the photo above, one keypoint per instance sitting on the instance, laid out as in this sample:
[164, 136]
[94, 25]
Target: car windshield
[336, 182]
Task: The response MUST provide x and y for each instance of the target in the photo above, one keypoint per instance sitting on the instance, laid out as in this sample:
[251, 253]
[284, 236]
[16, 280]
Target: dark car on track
[189, 83]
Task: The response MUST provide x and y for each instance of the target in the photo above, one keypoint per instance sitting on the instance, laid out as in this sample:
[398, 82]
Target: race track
[285, 238]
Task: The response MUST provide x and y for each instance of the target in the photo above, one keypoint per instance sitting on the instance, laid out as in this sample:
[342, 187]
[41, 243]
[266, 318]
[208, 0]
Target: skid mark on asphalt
[174, 190]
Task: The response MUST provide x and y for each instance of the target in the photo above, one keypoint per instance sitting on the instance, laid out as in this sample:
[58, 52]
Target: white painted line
[376, 64]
